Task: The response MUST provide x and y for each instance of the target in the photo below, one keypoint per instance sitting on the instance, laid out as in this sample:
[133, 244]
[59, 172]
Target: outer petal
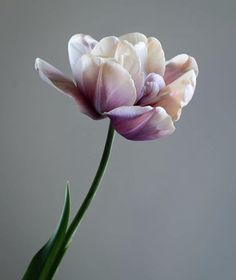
[105, 83]
[86, 72]
[79, 45]
[155, 58]
[177, 94]
[106, 47]
[141, 123]
[115, 87]
[57, 79]
[179, 65]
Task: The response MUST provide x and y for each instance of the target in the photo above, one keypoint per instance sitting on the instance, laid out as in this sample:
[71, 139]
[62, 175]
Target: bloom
[128, 80]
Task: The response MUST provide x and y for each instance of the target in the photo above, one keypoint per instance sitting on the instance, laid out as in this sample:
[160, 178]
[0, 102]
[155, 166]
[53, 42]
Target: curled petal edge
[179, 65]
[141, 123]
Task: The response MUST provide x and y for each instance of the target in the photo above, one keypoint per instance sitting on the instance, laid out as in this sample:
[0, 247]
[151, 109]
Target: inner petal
[156, 58]
[134, 38]
[126, 55]
[152, 86]
[106, 47]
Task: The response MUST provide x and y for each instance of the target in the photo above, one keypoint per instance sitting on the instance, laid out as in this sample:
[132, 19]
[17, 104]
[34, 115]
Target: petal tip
[37, 63]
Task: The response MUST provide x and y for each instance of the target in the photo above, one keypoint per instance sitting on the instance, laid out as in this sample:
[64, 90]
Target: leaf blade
[40, 265]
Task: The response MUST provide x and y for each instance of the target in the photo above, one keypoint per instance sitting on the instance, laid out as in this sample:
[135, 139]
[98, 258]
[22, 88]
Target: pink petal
[141, 123]
[179, 65]
[171, 105]
[57, 79]
[79, 45]
[155, 58]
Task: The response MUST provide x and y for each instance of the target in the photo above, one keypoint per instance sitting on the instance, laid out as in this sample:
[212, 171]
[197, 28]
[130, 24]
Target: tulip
[128, 80]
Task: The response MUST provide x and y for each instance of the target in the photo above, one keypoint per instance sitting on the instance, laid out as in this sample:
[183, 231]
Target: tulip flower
[128, 80]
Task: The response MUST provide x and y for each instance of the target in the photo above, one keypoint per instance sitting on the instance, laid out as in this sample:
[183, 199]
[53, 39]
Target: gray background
[166, 209]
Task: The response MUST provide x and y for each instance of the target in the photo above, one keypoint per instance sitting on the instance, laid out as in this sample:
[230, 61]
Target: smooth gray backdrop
[166, 209]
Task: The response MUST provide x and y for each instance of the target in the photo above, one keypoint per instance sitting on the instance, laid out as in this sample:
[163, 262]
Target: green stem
[88, 199]
[96, 181]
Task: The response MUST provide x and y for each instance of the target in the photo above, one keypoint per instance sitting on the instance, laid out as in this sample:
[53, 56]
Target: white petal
[183, 87]
[141, 50]
[134, 38]
[79, 45]
[106, 47]
[125, 55]
[156, 59]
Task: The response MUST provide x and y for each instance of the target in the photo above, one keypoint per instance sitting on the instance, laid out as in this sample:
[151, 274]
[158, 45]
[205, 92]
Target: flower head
[128, 80]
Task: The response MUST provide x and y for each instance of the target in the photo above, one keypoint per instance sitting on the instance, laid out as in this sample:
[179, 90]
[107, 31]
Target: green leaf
[42, 265]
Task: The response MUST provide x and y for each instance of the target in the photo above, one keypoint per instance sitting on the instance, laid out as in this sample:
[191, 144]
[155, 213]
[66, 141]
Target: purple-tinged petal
[152, 85]
[57, 79]
[141, 123]
[78, 45]
[54, 77]
[114, 88]
[155, 58]
[105, 83]
[179, 65]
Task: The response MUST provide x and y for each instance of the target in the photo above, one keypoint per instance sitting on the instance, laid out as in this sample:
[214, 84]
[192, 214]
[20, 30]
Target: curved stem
[97, 179]
[87, 201]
